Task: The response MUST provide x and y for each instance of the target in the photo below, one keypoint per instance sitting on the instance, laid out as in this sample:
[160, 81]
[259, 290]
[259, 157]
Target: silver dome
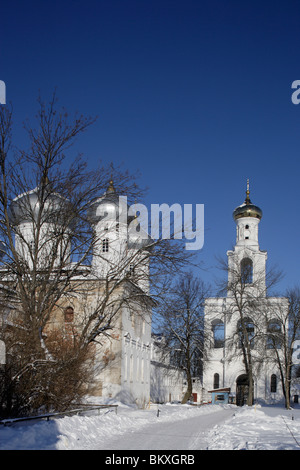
[106, 205]
[26, 207]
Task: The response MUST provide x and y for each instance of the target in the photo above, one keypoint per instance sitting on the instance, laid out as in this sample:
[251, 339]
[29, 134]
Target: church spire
[247, 200]
[111, 188]
[247, 209]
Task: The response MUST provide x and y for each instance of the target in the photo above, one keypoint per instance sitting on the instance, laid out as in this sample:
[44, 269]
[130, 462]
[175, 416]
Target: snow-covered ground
[178, 427]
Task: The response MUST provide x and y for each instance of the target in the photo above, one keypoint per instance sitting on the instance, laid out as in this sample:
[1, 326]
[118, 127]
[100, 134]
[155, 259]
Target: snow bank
[86, 432]
[258, 428]
[253, 428]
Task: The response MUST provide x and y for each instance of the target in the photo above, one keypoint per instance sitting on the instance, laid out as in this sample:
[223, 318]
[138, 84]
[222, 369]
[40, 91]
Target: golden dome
[247, 209]
[111, 188]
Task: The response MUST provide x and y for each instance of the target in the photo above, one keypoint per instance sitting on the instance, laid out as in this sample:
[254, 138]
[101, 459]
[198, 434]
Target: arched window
[216, 381]
[69, 331]
[274, 335]
[218, 333]
[273, 383]
[246, 332]
[69, 315]
[131, 368]
[247, 271]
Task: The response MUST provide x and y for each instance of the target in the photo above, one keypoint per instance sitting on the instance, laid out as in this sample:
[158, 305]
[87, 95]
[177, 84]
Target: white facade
[125, 374]
[167, 381]
[122, 358]
[247, 297]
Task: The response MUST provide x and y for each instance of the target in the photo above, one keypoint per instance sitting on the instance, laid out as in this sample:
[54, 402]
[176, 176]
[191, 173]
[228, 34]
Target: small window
[105, 245]
[216, 381]
[220, 397]
[69, 315]
[131, 270]
[273, 383]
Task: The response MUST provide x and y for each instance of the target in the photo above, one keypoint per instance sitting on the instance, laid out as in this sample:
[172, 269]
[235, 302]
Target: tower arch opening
[247, 271]
[218, 330]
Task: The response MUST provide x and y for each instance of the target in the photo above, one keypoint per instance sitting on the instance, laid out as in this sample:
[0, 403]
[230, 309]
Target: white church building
[127, 362]
[130, 365]
[247, 310]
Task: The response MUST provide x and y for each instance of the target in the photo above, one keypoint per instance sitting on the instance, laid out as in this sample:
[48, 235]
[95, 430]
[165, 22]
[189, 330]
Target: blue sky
[194, 94]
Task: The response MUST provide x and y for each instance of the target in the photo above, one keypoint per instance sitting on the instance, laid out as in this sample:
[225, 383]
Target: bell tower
[247, 260]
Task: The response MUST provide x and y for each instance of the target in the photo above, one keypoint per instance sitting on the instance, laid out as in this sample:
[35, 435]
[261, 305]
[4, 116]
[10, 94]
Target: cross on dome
[247, 209]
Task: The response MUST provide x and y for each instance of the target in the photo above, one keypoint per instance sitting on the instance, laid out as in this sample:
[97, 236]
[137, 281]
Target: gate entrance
[242, 390]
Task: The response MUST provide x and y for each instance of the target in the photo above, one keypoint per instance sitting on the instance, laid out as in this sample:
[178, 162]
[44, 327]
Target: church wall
[121, 359]
[166, 383]
[228, 362]
[135, 368]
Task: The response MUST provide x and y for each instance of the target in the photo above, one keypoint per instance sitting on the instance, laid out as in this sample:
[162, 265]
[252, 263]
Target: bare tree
[282, 330]
[247, 305]
[181, 314]
[53, 253]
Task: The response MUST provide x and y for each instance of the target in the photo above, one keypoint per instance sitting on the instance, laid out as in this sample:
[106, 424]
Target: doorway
[242, 390]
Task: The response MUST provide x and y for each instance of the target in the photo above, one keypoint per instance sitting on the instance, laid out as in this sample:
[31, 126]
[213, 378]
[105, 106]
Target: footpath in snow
[176, 427]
